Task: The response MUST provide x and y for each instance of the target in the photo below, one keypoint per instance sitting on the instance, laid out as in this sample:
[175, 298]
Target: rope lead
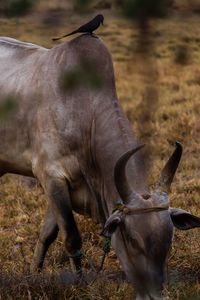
[106, 245]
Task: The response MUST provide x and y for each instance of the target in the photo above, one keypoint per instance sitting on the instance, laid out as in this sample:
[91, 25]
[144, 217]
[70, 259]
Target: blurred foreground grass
[160, 94]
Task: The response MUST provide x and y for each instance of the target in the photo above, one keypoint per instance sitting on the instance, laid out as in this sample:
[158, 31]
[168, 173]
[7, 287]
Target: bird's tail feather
[59, 38]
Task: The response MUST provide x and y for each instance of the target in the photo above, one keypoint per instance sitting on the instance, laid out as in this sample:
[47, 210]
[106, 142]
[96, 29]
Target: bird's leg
[93, 35]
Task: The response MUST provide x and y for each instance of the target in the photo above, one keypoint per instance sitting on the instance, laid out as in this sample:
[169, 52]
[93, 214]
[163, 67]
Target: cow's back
[19, 62]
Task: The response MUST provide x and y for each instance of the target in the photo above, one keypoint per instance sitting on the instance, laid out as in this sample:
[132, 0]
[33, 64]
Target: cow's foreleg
[57, 191]
[48, 234]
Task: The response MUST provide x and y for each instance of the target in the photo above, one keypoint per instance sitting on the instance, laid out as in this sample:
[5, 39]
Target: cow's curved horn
[169, 170]
[121, 181]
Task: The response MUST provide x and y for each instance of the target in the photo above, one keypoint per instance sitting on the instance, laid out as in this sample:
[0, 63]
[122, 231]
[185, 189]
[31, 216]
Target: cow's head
[141, 228]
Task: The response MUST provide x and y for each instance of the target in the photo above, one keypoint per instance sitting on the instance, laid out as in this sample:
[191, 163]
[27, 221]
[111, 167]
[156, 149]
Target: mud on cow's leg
[48, 234]
[58, 194]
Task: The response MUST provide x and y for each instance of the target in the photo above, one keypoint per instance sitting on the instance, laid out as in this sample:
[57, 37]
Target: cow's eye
[137, 243]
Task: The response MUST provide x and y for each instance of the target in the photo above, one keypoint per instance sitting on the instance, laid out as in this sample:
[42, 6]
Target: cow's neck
[112, 137]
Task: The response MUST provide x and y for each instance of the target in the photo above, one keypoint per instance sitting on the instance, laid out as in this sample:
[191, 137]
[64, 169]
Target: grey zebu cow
[77, 144]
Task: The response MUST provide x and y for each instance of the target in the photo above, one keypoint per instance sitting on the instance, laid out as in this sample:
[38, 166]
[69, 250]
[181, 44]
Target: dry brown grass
[160, 94]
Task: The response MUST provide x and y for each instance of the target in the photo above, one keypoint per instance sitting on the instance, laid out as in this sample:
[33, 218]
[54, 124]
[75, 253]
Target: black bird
[86, 28]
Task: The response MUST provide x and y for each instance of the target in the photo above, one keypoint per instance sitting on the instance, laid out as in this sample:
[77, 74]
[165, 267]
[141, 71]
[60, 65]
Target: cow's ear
[111, 225]
[183, 220]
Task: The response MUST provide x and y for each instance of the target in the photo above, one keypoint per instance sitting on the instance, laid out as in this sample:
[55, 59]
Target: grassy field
[159, 90]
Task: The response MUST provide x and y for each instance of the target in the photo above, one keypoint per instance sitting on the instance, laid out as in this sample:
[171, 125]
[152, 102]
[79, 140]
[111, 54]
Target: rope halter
[135, 211]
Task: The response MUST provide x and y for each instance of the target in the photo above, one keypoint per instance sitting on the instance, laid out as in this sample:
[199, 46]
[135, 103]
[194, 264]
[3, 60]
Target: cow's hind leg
[48, 234]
